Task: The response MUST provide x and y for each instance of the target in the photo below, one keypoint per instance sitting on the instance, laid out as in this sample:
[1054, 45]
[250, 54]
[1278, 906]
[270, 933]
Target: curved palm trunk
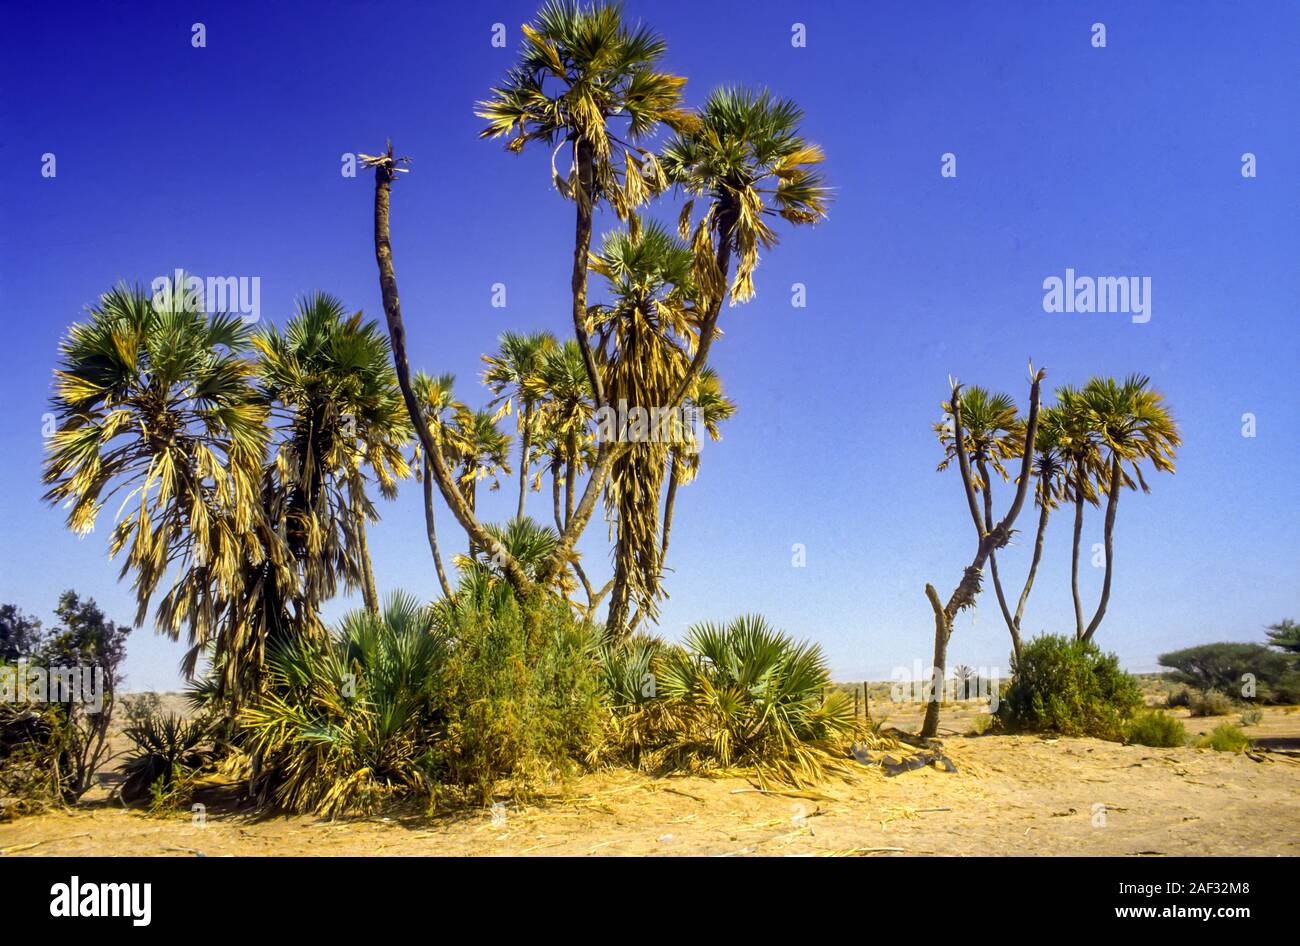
[385, 168]
[1074, 558]
[969, 587]
[1112, 506]
[1012, 626]
[432, 532]
[581, 254]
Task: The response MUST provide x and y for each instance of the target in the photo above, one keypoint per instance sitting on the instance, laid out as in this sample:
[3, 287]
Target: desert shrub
[141, 708]
[522, 698]
[1069, 687]
[1222, 666]
[166, 750]
[1210, 703]
[1224, 738]
[349, 721]
[1180, 697]
[1251, 717]
[1154, 728]
[740, 694]
[981, 724]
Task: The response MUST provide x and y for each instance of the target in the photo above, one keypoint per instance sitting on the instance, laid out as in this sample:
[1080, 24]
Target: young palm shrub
[166, 749]
[349, 722]
[746, 695]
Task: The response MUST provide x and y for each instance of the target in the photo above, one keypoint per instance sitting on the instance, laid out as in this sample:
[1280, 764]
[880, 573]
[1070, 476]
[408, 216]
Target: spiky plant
[349, 722]
[746, 694]
[164, 750]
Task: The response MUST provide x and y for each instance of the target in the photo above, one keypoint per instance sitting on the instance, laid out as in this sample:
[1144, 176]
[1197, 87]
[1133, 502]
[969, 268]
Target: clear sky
[1124, 161]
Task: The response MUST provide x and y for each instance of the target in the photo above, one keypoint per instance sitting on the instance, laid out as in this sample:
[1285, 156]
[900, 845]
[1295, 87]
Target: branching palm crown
[581, 67]
[748, 159]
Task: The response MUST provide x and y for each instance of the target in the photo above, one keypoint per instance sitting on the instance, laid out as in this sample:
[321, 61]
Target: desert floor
[1010, 795]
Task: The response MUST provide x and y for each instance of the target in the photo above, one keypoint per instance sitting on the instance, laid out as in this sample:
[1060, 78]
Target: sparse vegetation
[1224, 738]
[1155, 728]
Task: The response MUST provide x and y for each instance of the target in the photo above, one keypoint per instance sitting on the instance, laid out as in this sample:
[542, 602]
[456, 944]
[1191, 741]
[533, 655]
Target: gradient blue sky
[1117, 161]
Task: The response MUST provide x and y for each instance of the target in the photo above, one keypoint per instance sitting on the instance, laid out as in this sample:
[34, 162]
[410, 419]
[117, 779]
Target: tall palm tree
[747, 159]
[480, 451]
[993, 433]
[330, 386]
[589, 82]
[991, 537]
[436, 400]
[646, 334]
[155, 403]
[1133, 425]
[1081, 455]
[518, 358]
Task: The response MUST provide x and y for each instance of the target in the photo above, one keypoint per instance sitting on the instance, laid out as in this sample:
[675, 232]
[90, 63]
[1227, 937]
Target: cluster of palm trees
[1083, 450]
[244, 465]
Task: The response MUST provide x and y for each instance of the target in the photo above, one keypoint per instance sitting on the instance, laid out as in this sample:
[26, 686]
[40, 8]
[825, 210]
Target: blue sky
[1117, 161]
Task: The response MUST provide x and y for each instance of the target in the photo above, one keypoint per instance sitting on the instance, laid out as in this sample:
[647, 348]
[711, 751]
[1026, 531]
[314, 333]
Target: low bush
[1068, 687]
[1210, 703]
[1180, 697]
[1154, 728]
[1224, 738]
[740, 694]
[1251, 717]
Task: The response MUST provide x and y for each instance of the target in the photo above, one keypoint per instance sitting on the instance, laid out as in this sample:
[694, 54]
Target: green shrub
[1210, 703]
[1154, 728]
[347, 722]
[1251, 717]
[1225, 738]
[522, 694]
[1181, 697]
[166, 749]
[1069, 687]
[740, 694]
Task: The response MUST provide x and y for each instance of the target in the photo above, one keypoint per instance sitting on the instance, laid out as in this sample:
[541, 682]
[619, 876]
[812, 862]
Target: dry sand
[1010, 795]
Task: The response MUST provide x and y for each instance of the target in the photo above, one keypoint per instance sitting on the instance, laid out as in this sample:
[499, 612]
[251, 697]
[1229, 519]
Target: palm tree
[436, 400]
[480, 451]
[991, 537]
[329, 384]
[1132, 425]
[1050, 488]
[1083, 464]
[155, 400]
[580, 70]
[748, 160]
[646, 333]
[518, 358]
[994, 433]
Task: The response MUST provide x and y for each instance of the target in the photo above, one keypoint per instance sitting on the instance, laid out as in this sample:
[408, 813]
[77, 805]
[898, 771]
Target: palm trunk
[616, 617]
[570, 475]
[369, 594]
[526, 442]
[993, 559]
[581, 253]
[385, 168]
[1074, 559]
[670, 499]
[433, 532]
[1112, 506]
[1043, 514]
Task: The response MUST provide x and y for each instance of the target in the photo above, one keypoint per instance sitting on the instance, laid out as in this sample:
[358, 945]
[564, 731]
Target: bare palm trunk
[369, 594]
[989, 539]
[993, 559]
[385, 167]
[526, 443]
[1043, 513]
[1074, 559]
[432, 532]
[581, 253]
[570, 475]
[1112, 506]
[670, 500]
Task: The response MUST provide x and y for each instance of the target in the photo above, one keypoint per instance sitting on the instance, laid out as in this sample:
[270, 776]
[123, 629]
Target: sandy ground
[1010, 795]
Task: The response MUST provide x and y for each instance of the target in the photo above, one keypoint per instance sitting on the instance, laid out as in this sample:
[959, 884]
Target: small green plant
[1070, 687]
[1155, 728]
[167, 749]
[1251, 717]
[1224, 738]
[981, 724]
[1210, 703]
